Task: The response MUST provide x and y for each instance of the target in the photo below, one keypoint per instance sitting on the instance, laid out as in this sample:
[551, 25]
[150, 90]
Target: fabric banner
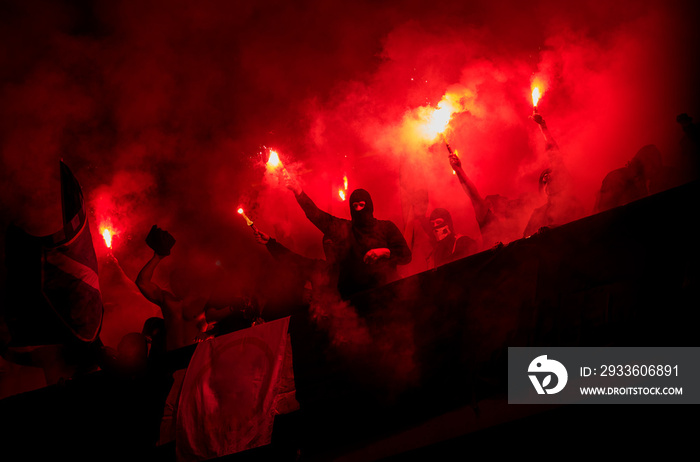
[69, 270]
[234, 386]
[53, 289]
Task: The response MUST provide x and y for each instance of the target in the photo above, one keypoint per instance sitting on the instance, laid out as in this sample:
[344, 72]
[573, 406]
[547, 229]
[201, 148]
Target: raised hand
[292, 184]
[539, 120]
[261, 237]
[455, 162]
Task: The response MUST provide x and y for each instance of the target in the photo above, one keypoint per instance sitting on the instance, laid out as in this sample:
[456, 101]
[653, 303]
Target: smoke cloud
[165, 112]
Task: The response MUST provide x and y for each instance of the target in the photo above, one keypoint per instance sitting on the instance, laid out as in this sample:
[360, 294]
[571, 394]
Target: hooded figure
[448, 245]
[644, 174]
[561, 206]
[361, 209]
[366, 250]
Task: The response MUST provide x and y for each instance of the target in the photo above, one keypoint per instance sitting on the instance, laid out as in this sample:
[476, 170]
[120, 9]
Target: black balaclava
[365, 216]
[444, 230]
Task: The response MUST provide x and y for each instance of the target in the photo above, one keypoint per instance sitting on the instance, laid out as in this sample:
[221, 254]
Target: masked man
[367, 250]
[449, 246]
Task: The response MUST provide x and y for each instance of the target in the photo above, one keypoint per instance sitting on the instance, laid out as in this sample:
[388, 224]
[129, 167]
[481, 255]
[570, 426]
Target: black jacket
[351, 242]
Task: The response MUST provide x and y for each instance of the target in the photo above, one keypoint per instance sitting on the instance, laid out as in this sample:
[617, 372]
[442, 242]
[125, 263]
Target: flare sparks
[274, 162]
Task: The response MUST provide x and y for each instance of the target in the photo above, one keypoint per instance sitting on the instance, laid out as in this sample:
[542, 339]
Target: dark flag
[54, 291]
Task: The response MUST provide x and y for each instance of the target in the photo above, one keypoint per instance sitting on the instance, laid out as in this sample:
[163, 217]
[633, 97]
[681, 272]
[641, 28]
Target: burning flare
[436, 120]
[107, 232]
[107, 236]
[535, 96]
[247, 220]
[273, 161]
[342, 192]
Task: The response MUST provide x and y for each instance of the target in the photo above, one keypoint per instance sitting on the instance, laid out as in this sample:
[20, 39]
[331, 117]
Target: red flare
[536, 96]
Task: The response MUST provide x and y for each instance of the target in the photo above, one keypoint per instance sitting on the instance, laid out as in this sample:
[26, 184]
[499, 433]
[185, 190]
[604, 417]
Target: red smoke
[162, 110]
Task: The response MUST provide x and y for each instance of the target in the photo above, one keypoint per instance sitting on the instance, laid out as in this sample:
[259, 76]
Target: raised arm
[481, 208]
[556, 159]
[284, 255]
[148, 288]
[318, 217]
[548, 138]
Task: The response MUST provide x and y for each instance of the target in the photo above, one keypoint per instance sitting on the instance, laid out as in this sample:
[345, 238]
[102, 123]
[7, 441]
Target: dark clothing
[311, 330]
[351, 241]
[556, 212]
[306, 266]
[690, 152]
[453, 248]
[234, 322]
[503, 220]
[619, 187]
[622, 186]
[492, 232]
[317, 272]
[232, 314]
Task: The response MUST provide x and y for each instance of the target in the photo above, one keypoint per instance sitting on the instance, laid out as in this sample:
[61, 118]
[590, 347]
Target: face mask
[441, 232]
[365, 215]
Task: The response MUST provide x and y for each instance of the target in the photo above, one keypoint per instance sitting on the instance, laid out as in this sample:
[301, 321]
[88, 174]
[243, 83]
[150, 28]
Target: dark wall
[626, 277]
